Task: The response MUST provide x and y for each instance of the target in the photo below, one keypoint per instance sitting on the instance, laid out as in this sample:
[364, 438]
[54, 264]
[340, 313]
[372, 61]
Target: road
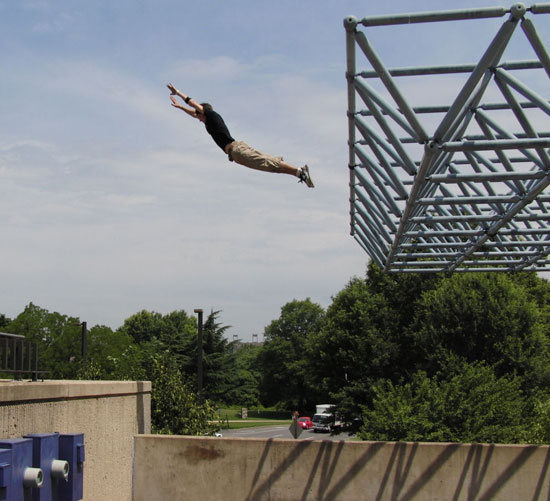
[281, 431]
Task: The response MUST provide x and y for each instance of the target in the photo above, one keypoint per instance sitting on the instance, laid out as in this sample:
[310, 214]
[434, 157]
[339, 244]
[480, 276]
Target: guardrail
[18, 356]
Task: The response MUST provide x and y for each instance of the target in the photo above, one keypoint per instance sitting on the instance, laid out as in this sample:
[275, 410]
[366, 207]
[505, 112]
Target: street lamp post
[83, 339]
[199, 353]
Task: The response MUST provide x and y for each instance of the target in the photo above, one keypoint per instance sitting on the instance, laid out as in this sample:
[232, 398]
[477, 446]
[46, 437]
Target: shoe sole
[309, 181]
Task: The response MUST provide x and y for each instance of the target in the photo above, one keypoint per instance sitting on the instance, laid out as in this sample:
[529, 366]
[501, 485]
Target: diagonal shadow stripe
[430, 471]
[356, 469]
[508, 473]
[263, 489]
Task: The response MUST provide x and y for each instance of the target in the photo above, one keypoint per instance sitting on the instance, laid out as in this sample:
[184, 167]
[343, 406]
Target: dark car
[305, 422]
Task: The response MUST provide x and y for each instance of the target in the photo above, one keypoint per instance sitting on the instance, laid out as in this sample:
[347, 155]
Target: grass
[250, 423]
[231, 418]
[270, 413]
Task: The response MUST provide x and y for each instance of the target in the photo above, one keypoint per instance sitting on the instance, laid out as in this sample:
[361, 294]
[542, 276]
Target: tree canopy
[464, 357]
[285, 379]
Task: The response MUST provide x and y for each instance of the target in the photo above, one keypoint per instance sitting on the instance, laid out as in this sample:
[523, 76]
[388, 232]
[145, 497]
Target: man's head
[205, 107]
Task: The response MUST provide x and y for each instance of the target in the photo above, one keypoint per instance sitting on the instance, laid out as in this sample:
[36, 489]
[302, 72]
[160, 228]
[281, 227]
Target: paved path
[281, 431]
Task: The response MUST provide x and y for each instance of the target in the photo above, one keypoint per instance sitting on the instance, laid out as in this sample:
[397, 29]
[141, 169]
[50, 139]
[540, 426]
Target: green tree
[162, 349]
[57, 336]
[149, 346]
[472, 405]
[482, 317]
[175, 408]
[356, 346]
[143, 326]
[111, 355]
[4, 321]
[219, 370]
[178, 334]
[538, 429]
[59, 339]
[174, 333]
[286, 379]
[174, 336]
[246, 391]
[390, 326]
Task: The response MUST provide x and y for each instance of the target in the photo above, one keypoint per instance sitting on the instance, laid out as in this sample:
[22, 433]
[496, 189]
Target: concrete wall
[109, 413]
[181, 468]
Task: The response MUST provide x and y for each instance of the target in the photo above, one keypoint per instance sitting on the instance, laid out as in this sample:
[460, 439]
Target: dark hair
[207, 106]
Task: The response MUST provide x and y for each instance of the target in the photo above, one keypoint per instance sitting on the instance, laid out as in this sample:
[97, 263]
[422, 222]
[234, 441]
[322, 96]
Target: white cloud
[118, 202]
[218, 68]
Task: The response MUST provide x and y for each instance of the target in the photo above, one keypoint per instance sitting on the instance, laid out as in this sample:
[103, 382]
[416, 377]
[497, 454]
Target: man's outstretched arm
[189, 111]
[188, 100]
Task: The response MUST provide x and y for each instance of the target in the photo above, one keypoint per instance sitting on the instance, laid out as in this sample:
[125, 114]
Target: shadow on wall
[396, 481]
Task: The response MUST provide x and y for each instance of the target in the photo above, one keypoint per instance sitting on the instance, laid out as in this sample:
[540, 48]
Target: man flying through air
[237, 151]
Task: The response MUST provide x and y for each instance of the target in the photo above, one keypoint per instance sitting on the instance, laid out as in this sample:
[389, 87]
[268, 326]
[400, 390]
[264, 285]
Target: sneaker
[305, 177]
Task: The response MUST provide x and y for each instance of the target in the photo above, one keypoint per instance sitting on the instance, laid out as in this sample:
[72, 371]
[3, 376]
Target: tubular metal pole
[490, 176]
[350, 25]
[429, 152]
[366, 223]
[541, 185]
[447, 69]
[199, 353]
[393, 140]
[531, 33]
[459, 125]
[540, 8]
[382, 193]
[427, 17]
[387, 109]
[376, 142]
[367, 244]
[375, 219]
[35, 363]
[524, 121]
[480, 159]
[477, 269]
[522, 89]
[387, 80]
[506, 199]
[495, 144]
[84, 340]
[481, 119]
[493, 51]
[533, 260]
[376, 207]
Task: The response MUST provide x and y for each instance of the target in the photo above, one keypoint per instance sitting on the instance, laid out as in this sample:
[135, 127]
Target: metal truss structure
[458, 181]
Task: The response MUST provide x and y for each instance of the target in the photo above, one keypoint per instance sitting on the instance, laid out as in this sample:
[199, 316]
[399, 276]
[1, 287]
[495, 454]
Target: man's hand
[174, 102]
[172, 89]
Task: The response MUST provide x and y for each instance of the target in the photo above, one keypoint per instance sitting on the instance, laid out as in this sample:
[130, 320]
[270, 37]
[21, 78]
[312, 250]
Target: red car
[305, 422]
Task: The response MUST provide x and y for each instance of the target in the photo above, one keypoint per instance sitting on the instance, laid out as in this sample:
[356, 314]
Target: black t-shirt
[215, 126]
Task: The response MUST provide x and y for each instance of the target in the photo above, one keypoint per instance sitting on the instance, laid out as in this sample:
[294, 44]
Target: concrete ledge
[109, 413]
[11, 391]
[169, 467]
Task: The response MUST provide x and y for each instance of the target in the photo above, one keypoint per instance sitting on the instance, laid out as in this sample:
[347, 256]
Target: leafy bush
[473, 405]
[175, 409]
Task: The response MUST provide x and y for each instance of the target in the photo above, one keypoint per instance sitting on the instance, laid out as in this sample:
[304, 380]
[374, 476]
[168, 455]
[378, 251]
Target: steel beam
[469, 192]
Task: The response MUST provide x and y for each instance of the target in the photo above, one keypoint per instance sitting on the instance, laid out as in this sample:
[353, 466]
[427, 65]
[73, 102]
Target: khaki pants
[254, 159]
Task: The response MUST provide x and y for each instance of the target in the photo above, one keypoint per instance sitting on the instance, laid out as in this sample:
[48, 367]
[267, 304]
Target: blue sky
[113, 201]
